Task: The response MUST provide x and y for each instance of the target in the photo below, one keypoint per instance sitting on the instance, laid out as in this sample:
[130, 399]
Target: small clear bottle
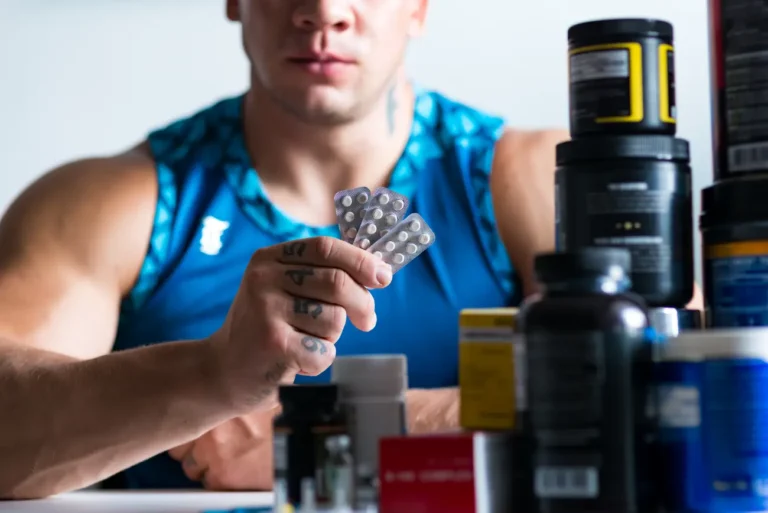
[340, 472]
[589, 363]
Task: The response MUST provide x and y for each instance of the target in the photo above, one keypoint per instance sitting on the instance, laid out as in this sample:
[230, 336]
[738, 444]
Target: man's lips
[320, 59]
[327, 67]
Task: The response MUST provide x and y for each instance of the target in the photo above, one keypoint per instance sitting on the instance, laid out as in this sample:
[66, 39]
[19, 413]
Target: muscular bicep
[523, 193]
[56, 308]
[70, 246]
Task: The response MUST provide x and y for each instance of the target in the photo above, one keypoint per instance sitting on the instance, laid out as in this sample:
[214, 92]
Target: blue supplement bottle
[713, 421]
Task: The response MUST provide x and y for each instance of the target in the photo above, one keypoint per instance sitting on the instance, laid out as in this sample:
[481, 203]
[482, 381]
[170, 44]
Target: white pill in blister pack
[385, 209]
[350, 210]
[407, 240]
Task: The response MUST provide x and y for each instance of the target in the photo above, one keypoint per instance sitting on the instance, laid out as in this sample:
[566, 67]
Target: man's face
[327, 61]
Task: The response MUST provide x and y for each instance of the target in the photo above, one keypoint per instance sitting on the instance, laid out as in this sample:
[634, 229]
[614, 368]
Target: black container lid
[598, 29]
[592, 261]
[308, 396]
[734, 201]
[640, 147]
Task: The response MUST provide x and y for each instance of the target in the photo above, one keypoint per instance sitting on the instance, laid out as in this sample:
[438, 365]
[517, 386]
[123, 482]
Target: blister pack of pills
[385, 210]
[350, 210]
[404, 242]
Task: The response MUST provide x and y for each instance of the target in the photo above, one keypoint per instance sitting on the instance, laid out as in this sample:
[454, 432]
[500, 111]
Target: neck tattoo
[391, 108]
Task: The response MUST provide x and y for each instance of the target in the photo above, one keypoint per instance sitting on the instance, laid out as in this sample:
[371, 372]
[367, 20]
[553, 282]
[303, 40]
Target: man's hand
[236, 455]
[291, 308]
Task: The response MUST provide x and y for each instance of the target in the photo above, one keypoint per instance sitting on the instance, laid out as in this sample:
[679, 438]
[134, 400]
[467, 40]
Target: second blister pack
[385, 209]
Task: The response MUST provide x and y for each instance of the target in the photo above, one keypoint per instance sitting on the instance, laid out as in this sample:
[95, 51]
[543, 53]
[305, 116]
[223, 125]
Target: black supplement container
[739, 48]
[307, 436]
[632, 192]
[589, 364]
[622, 77]
[734, 232]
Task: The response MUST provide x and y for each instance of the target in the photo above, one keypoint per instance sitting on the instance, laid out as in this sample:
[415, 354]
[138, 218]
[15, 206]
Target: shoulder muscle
[523, 192]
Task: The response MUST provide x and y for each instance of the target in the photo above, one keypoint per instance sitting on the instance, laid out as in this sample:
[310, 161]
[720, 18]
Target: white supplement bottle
[372, 392]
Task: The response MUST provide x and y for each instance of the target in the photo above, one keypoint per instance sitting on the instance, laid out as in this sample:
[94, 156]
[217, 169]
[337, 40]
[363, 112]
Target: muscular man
[152, 301]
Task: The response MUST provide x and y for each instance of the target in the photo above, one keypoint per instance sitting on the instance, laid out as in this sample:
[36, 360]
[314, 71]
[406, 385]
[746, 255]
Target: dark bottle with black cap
[632, 192]
[589, 364]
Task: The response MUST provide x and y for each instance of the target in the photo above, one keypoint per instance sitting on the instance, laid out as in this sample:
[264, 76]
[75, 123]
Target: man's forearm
[66, 424]
[432, 410]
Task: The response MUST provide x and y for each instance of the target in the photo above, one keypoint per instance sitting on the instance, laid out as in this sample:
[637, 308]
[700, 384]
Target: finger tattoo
[314, 345]
[294, 249]
[307, 307]
[297, 275]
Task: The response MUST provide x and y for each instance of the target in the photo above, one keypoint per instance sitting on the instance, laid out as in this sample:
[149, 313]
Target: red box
[449, 473]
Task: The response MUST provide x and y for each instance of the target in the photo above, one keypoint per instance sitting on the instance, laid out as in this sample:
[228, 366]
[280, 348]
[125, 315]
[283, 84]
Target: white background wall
[84, 77]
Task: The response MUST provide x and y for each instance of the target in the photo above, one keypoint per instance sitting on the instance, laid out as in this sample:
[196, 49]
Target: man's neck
[302, 160]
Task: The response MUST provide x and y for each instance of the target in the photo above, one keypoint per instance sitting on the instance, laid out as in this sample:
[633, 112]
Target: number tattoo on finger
[297, 275]
[314, 345]
[294, 249]
[307, 307]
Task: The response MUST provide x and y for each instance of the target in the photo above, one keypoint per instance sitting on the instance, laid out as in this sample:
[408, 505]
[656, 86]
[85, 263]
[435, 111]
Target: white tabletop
[139, 502]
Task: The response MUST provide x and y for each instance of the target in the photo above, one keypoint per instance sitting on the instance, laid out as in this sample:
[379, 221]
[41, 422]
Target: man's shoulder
[127, 174]
[521, 149]
[86, 207]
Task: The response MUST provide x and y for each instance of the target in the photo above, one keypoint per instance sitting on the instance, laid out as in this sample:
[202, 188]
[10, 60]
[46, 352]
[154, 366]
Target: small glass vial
[340, 472]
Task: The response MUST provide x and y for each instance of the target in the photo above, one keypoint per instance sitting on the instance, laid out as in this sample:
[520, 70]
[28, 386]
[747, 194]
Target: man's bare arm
[73, 414]
[433, 410]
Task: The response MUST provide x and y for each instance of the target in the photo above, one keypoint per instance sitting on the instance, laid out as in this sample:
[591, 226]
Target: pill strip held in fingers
[406, 241]
[374, 222]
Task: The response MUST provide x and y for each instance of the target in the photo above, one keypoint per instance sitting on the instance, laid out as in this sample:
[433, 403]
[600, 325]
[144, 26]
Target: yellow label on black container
[634, 52]
[666, 83]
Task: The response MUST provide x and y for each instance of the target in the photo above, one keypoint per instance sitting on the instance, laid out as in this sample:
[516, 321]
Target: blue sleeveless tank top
[212, 214]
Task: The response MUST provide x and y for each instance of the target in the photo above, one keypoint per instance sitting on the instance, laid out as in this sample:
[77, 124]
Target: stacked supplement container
[734, 217]
[624, 179]
[622, 271]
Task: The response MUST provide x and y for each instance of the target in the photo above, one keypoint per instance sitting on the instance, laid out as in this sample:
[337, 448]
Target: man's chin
[320, 105]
